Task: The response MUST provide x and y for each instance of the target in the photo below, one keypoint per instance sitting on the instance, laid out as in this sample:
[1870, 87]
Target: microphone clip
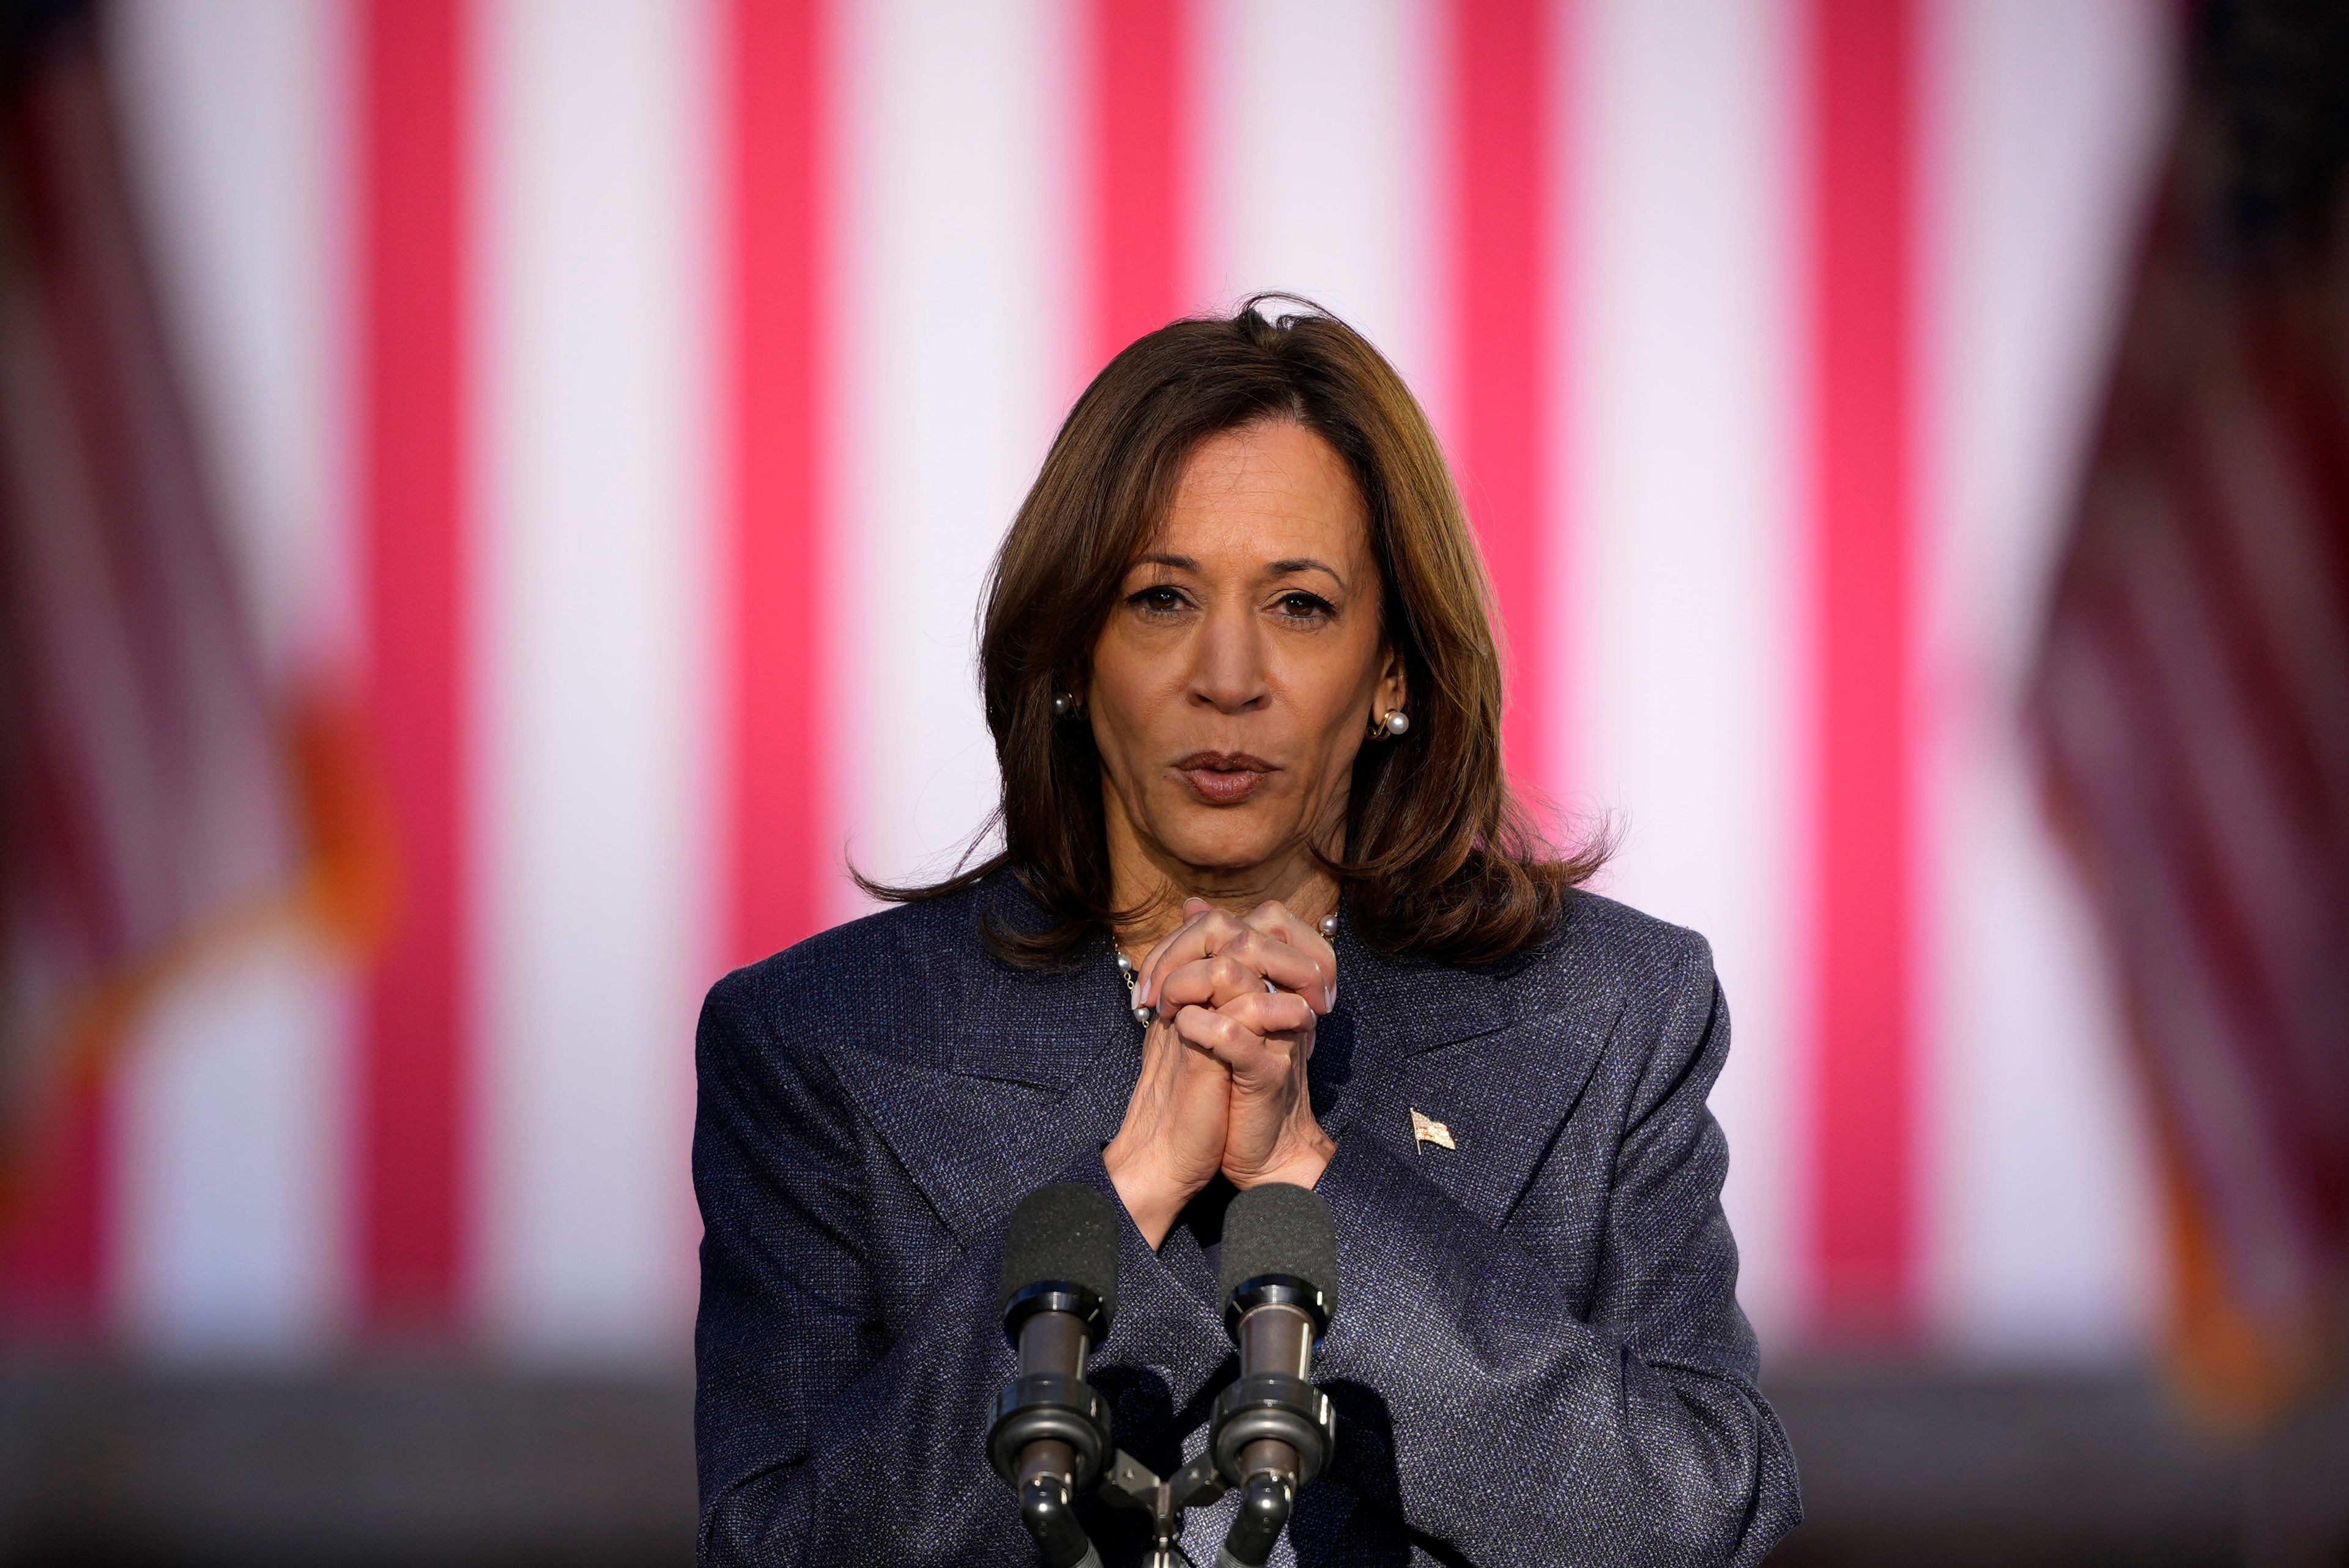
[1059, 1410]
[1272, 1408]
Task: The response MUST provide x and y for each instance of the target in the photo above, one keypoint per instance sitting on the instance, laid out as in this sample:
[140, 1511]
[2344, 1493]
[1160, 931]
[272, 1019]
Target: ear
[1393, 688]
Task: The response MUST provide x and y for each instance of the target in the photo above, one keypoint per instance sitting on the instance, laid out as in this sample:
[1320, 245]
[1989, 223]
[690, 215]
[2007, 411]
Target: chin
[1223, 840]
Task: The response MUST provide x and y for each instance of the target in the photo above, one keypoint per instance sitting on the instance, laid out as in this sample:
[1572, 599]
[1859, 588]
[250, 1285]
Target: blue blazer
[1538, 1359]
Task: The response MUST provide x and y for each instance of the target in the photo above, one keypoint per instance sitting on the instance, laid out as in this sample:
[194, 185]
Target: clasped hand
[1222, 1087]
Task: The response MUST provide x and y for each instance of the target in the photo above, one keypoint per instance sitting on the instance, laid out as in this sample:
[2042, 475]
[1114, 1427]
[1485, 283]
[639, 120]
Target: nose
[1227, 672]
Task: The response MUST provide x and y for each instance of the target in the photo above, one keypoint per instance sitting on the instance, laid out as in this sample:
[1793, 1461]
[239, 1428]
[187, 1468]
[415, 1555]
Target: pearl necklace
[1126, 971]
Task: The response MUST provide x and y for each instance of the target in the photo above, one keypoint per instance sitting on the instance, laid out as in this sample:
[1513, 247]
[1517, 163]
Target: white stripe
[1684, 625]
[233, 116]
[231, 1186]
[960, 349]
[228, 1213]
[592, 218]
[1319, 146]
[2041, 120]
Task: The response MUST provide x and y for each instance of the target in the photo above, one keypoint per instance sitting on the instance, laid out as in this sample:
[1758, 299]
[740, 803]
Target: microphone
[1273, 1430]
[1050, 1430]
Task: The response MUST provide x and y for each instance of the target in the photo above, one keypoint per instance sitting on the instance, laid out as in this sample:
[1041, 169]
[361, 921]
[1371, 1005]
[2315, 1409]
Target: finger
[1211, 983]
[1271, 1013]
[1178, 1074]
[1195, 938]
[1146, 976]
[1274, 919]
[1290, 967]
[1224, 1038]
[1250, 1062]
[1220, 935]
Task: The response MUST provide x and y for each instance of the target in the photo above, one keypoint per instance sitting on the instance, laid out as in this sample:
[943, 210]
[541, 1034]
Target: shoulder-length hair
[1439, 857]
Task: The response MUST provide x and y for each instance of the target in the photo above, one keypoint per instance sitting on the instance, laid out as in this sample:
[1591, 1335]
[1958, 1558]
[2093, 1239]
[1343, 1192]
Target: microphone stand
[1272, 1433]
[1130, 1484]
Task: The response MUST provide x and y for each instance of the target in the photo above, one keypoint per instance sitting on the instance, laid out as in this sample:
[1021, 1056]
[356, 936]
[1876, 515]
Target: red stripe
[53, 1249]
[412, 1110]
[1139, 175]
[2189, 462]
[2303, 393]
[1860, 158]
[778, 807]
[92, 359]
[1501, 61]
[2300, 1140]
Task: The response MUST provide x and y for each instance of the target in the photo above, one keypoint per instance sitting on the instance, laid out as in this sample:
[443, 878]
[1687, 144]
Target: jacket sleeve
[807, 1430]
[1525, 1434]
[832, 1424]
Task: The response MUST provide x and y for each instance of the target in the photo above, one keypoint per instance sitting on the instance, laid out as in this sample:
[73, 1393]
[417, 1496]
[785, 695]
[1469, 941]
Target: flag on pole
[157, 794]
[2192, 696]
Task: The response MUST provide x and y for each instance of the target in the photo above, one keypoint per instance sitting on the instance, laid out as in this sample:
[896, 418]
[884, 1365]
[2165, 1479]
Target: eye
[1158, 598]
[1298, 606]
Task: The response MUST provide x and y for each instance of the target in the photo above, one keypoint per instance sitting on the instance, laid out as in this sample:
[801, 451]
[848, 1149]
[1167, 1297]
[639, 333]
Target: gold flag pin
[1425, 1131]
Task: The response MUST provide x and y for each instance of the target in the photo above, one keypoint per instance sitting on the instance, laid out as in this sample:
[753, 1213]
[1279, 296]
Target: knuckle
[1202, 1025]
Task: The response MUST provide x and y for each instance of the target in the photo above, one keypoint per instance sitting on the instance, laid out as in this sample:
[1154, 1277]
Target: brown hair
[1439, 858]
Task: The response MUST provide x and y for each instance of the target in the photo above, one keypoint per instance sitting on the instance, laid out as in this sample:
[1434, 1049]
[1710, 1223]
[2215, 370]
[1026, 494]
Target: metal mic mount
[1256, 1419]
[1272, 1430]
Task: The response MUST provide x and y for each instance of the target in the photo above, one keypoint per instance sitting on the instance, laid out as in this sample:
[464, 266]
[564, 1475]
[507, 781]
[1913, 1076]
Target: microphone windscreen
[1065, 1234]
[1278, 1229]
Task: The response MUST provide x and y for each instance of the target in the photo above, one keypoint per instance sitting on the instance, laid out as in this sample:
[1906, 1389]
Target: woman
[1265, 912]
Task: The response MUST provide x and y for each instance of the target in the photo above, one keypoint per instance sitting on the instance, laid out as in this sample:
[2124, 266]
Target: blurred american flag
[160, 795]
[633, 391]
[2194, 691]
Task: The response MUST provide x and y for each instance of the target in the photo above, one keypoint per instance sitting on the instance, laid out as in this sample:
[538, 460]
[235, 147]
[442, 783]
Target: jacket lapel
[963, 1141]
[1500, 1057]
[1001, 1079]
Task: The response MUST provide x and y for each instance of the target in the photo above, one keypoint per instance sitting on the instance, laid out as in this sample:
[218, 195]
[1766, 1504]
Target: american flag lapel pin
[1425, 1130]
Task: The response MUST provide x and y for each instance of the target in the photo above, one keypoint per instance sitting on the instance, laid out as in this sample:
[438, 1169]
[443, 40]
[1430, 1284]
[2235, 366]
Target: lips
[1225, 777]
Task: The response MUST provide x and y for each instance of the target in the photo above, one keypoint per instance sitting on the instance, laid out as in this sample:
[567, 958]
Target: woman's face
[1242, 662]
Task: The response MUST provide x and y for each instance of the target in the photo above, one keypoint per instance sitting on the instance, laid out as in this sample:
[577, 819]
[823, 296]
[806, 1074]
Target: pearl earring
[1063, 704]
[1392, 722]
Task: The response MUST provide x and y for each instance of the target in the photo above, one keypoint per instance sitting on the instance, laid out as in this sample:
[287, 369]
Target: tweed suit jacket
[1538, 1356]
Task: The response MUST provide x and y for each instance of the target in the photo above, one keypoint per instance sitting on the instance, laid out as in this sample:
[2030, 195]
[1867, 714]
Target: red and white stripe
[642, 388]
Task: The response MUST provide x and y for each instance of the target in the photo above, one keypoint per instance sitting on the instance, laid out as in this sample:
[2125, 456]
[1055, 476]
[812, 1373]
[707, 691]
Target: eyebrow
[1307, 563]
[1277, 568]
